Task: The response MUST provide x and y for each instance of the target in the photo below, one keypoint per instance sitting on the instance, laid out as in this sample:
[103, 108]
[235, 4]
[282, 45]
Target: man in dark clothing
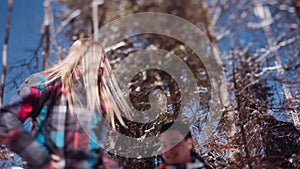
[177, 147]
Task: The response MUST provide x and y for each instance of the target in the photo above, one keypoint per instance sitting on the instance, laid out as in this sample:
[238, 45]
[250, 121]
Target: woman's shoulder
[36, 77]
[37, 80]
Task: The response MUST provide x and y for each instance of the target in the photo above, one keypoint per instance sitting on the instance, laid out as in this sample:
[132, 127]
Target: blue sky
[25, 32]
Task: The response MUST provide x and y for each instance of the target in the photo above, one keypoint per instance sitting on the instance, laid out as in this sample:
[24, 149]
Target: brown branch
[241, 117]
[297, 66]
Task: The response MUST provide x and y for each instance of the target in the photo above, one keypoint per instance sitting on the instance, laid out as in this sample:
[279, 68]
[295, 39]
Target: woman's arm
[11, 117]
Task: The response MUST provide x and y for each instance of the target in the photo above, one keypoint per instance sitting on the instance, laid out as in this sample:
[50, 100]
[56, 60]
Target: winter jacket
[78, 138]
[197, 163]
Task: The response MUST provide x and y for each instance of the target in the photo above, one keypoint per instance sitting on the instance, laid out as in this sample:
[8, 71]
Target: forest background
[256, 44]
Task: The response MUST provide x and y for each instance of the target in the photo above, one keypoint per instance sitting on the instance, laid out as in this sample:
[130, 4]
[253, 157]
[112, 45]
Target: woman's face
[101, 68]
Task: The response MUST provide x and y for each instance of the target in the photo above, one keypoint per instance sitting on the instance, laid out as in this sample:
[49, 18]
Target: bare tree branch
[266, 69]
[65, 22]
[273, 48]
[297, 66]
[264, 14]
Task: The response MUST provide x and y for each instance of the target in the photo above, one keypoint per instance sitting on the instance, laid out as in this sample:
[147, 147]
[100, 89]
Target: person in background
[177, 147]
[69, 105]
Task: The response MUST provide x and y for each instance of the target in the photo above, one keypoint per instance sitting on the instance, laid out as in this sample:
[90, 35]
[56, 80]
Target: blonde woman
[69, 105]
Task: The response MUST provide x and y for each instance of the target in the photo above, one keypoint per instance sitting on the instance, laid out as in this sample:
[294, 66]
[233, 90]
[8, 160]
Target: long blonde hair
[87, 56]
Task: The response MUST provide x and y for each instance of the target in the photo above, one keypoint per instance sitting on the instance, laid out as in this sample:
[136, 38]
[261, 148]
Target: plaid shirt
[77, 138]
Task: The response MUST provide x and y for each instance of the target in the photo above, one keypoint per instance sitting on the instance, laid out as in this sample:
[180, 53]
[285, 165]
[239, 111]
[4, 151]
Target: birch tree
[46, 33]
[4, 49]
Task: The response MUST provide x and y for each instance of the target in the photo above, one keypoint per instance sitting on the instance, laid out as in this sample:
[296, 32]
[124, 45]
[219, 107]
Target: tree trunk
[220, 83]
[46, 33]
[4, 50]
[95, 17]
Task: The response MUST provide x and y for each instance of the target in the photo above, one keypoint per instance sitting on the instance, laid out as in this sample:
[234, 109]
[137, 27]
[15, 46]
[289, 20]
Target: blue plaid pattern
[74, 137]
